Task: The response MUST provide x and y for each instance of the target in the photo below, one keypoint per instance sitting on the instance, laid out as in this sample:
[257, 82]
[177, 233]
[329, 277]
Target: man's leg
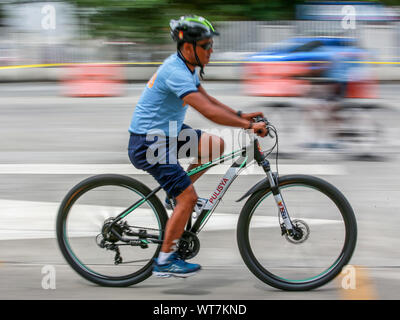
[168, 263]
[176, 223]
[173, 179]
[210, 147]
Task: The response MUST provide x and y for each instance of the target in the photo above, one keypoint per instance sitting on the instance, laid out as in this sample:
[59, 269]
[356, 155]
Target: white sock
[163, 257]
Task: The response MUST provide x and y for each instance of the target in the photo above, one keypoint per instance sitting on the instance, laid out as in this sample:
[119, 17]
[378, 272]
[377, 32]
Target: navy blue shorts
[158, 155]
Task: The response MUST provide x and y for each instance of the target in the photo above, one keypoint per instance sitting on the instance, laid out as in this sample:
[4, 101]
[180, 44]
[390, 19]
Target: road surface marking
[36, 220]
[30, 168]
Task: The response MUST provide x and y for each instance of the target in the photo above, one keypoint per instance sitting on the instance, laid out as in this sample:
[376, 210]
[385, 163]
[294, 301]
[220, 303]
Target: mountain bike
[294, 232]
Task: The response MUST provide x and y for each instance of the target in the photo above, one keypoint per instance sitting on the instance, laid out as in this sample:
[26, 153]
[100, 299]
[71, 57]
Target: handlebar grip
[260, 119]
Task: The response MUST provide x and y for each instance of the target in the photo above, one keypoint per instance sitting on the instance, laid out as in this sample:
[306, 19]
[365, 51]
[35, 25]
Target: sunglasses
[207, 46]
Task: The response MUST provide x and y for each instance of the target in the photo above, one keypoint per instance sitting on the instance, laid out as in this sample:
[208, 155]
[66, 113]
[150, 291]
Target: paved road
[50, 142]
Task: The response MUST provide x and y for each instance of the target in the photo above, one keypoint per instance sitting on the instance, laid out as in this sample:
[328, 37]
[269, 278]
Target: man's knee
[212, 146]
[217, 147]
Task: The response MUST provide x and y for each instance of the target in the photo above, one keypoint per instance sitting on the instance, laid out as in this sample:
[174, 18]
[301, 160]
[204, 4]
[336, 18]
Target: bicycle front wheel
[327, 224]
[84, 236]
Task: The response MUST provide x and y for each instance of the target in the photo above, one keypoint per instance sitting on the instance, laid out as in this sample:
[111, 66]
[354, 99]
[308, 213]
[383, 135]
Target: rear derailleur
[112, 233]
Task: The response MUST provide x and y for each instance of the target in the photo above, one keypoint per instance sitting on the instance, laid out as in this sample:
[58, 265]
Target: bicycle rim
[82, 232]
[313, 260]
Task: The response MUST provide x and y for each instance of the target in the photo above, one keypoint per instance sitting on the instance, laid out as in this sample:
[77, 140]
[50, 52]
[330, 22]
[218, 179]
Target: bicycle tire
[328, 191]
[83, 188]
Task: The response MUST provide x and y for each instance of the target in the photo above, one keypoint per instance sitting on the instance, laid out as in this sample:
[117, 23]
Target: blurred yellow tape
[49, 65]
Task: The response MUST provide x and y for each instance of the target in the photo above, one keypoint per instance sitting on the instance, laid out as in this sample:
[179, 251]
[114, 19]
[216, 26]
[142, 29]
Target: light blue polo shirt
[160, 105]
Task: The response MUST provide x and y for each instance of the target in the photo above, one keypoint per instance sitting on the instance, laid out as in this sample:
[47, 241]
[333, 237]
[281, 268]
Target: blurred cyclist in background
[162, 107]
[331, 93]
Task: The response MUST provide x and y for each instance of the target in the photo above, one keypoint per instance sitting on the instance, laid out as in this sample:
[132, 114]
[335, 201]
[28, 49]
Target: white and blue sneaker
[175, 267]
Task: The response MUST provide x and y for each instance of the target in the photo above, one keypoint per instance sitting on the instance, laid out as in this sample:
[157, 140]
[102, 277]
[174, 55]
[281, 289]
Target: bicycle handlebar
[262, 119]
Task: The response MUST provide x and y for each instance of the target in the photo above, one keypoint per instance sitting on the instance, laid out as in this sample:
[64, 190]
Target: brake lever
[270, 132]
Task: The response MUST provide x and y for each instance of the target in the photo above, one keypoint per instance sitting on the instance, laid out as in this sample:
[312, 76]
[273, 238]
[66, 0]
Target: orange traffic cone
[362, 89]
[93, 80]
[275, 79]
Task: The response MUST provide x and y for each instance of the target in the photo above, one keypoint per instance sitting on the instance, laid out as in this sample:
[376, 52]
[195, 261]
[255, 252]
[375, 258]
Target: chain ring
[188, 245]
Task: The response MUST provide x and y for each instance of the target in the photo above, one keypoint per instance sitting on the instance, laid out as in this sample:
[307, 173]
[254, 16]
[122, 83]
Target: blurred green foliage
[2, 16]
[148, 20]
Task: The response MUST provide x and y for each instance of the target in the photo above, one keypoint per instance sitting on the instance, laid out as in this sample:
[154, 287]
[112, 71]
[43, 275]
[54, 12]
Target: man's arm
[247, 116]
[215, 101]
[214, 112]
[222, 115]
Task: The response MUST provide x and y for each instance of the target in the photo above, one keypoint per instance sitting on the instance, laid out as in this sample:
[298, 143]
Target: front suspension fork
[273, 182]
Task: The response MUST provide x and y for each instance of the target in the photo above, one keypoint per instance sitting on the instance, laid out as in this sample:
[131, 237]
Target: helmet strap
[198, 61]
[197, 64]
[186, 61]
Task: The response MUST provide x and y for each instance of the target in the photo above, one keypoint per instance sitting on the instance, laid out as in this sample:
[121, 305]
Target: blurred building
[38, 32]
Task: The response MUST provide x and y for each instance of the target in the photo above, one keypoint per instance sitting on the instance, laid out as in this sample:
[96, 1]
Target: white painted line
[36, 220]
[226, 221]
[29, 168]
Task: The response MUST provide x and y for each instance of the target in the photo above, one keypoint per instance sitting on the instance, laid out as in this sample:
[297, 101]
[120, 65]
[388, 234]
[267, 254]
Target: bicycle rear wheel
[328, 227]
[98, 255]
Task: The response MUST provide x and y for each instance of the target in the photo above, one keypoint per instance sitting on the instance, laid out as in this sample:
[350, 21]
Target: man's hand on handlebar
[252, 115]
[260, 129]
[258, 122]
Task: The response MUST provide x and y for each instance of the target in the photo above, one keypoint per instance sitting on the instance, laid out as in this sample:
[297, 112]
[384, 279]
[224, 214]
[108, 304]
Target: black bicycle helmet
[192, 28]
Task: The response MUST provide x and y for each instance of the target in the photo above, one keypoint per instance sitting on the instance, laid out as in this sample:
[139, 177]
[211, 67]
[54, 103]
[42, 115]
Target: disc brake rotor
[302, 232]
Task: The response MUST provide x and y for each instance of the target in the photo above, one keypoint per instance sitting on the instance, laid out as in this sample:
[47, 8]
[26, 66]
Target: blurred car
[276, 70]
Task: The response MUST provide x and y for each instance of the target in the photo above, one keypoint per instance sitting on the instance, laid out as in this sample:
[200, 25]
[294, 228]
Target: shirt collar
[183, 59]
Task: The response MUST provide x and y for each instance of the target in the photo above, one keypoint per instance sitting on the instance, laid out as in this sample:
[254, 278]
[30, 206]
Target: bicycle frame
[243, 155]
[224, 184]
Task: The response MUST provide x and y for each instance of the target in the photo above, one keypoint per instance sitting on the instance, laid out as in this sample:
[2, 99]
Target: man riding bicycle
[157, 128]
